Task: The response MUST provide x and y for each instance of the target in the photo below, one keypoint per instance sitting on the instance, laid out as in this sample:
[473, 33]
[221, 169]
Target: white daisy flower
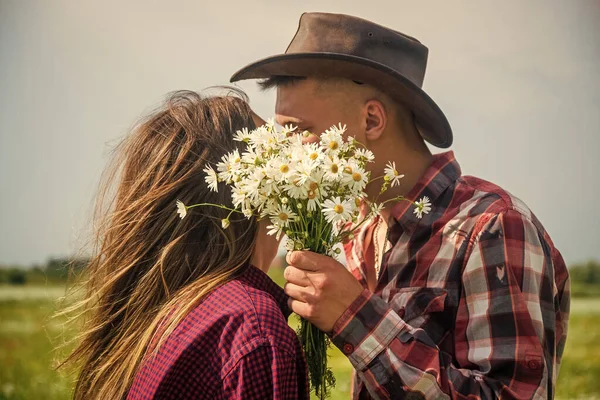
[267, 138]
[357, 180]
[238, 195]
[364, 155]
[333, 168]
[275, 230]
[288, 130]
[334, 252]
[349, 167]
[377, 208]
[313, 152]
[313, 201]
[295, 140]
[304, 170]
[242, 135]
[270, 123]
[181, 209]
[391, 174]
[251, 185]
[267, 207]
[211, 178]
[289, 245]
[229, 166]
[282, 215]
[317, 184]
[251, 156]
[337, 209]
[268, 185]
[282, 168]
[422, 206]
[339, 128]
[332, 140]
[296, 188]
[260, 137]
[294, 149]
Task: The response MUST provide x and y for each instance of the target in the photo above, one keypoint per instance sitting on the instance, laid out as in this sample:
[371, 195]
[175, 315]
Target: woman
[182, 308]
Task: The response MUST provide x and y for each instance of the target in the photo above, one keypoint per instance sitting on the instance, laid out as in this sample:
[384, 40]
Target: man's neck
[412, 165]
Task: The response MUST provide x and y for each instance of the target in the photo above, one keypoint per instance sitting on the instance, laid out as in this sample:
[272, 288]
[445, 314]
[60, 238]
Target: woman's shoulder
[254, 300]
[249, 308]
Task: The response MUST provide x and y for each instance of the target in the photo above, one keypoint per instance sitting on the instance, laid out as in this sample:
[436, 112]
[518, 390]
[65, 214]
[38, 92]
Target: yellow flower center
[338, 209]
[311, 195]
[357, 202]
[313, 186]
[333, 145]
[284, 168]
[283, 216]
[333, 168]
[297, 182]
[356, 177]
[313, 156]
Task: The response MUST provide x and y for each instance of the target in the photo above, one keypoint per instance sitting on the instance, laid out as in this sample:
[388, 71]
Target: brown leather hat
[350, 47]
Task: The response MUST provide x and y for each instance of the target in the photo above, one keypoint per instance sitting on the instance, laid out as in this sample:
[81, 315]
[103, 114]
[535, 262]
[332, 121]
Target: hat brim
[430, 119]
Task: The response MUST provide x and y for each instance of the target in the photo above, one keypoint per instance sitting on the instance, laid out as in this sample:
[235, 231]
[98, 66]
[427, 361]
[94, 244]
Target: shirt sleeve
[267, 372]
[498, 331]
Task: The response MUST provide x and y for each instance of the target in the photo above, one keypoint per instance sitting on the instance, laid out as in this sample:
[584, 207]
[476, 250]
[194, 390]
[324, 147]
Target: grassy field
[27, 339]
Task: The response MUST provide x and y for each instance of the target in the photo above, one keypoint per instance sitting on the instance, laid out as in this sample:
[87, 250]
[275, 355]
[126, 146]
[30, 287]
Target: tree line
[585, 277]
[55, 270]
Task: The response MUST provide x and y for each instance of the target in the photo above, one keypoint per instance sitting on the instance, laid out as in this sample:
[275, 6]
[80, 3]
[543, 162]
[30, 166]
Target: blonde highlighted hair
[149, 267]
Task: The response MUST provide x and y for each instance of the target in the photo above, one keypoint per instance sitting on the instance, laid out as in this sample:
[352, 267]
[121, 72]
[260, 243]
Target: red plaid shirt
[235, 345]
[472, 301]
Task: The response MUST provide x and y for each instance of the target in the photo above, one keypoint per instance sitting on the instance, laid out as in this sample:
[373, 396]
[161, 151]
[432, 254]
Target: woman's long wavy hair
[149, 267]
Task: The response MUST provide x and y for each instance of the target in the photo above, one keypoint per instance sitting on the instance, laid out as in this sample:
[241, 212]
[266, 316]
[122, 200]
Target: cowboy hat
[344, 46]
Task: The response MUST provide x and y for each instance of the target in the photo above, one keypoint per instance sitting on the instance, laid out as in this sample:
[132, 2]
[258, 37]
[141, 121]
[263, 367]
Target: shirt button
[534, 364]
[348, 348]
[401, 313]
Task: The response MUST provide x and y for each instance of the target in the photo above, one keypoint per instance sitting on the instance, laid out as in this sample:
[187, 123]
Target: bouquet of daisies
[311, 193]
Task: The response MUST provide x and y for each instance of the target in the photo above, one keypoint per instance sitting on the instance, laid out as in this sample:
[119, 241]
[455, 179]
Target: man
[472, 300]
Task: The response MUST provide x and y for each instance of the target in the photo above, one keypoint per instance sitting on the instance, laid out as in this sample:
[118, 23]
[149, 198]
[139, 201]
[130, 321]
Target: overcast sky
[518, 81]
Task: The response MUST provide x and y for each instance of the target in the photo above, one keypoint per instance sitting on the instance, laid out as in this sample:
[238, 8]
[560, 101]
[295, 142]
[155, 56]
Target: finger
[296, 276]
[308, 261]
[311, 138]
[298, 307]
[296, 292]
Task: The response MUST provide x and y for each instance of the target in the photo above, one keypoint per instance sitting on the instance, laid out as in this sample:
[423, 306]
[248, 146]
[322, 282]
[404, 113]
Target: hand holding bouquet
[312, 193]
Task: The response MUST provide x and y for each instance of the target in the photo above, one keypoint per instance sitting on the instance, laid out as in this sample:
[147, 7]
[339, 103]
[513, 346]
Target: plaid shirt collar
[261, 281]
[443, 172]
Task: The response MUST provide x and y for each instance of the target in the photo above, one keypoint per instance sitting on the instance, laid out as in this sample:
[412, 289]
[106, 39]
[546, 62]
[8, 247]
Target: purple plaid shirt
[235, 345]
[472, 301]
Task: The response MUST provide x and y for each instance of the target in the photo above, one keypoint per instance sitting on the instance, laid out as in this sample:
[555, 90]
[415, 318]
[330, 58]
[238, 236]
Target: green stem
[314, 341]
[214, 205]
[374, 179]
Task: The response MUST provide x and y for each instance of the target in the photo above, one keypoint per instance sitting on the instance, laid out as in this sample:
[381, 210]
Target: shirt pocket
[416, 305]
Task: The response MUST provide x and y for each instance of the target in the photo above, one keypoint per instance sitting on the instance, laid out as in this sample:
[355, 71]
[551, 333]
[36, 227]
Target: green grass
[579, 289]
[580, 369]
[27, 339]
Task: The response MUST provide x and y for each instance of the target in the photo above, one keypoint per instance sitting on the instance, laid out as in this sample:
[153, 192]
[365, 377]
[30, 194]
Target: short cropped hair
[279, 80]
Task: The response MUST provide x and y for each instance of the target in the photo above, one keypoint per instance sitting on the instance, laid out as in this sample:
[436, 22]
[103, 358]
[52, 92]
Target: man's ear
[376, 119]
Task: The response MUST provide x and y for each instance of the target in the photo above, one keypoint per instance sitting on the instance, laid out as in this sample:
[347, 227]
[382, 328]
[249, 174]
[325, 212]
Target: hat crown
[344, 46]
[346, 34]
